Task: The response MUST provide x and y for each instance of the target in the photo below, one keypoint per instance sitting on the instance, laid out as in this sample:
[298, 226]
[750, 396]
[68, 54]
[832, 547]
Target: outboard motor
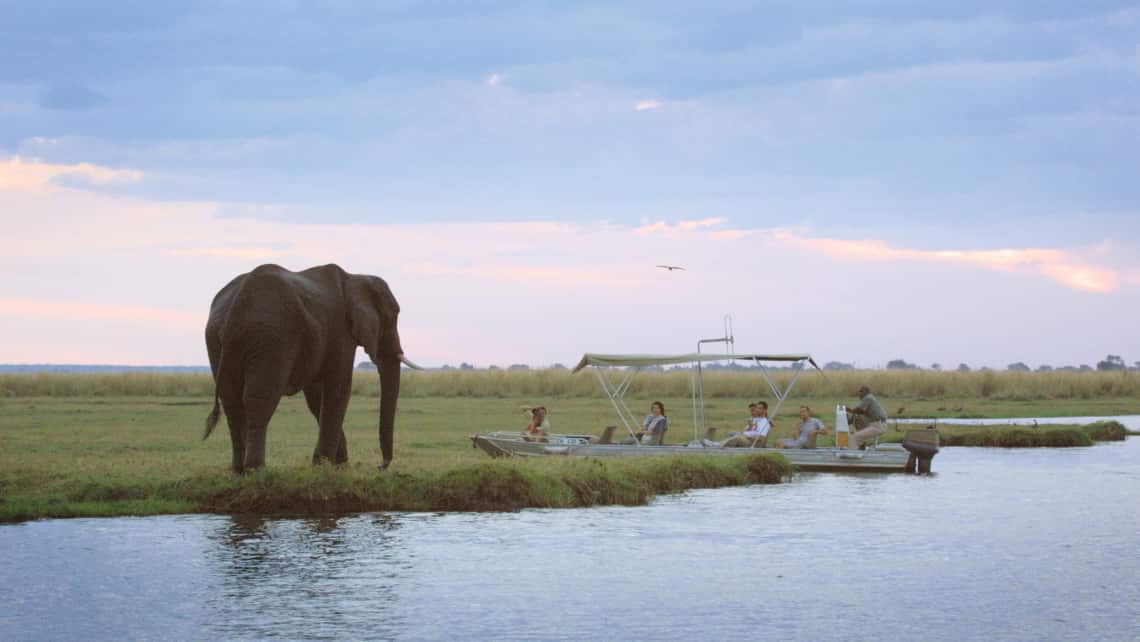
[922, 444]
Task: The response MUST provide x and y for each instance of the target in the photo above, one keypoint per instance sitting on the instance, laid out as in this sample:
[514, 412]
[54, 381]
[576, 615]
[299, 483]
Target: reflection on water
[317, 577]
[1027, 544]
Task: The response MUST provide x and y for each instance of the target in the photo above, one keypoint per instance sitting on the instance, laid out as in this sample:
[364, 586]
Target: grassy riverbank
[303, 490]
[144, 455]
[1050, 436]
[74, 446]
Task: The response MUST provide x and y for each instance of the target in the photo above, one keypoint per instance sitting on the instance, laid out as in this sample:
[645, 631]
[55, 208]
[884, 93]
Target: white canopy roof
[642, 360]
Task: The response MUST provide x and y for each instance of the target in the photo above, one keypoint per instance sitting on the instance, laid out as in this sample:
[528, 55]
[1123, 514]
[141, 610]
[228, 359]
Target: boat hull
[886, 458]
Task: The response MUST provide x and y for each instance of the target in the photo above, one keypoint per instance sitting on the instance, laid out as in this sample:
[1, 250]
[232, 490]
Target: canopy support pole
[781, 395]
[693, 387]
[616, 395]
[624, 386]
[699, 389]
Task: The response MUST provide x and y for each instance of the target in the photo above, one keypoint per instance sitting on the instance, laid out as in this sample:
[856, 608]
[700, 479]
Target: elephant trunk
[389, 393]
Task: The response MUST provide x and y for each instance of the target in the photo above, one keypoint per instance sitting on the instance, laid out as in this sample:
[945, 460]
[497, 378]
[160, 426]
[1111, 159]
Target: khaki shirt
[873, 409]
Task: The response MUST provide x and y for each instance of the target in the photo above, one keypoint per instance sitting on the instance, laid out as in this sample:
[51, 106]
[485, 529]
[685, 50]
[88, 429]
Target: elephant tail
[212, 420]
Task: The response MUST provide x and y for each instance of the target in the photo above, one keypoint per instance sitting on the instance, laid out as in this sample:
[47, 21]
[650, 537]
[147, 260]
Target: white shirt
[758, 427]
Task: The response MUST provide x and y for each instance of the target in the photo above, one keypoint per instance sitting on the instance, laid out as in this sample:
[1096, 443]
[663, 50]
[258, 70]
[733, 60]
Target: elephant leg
[260, 403]
[331, 442]
[342, 449]
[235, 418]
[313, 401]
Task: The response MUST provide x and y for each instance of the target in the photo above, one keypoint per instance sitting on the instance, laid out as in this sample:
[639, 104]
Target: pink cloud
[1083, 277]
[661, 227]
[530, 274]
[245, 253]
[43, 309]
[730, 235]
[1062, 266]
[17, 173]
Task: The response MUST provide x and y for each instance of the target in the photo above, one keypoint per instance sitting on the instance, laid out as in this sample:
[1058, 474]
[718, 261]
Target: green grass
[62, 457]
[69, 447]
[1050, 436]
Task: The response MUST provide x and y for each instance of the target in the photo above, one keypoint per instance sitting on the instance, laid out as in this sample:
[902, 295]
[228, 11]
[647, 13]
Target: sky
[938, 182]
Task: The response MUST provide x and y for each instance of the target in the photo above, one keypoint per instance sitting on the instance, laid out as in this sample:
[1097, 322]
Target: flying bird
[671, 267]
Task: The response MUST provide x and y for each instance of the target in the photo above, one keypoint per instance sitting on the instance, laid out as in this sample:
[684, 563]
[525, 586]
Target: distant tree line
[1109, 363]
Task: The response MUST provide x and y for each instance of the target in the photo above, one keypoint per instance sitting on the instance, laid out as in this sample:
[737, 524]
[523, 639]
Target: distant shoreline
[66, 368]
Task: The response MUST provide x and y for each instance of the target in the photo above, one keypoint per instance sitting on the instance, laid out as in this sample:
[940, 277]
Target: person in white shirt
[756, 431]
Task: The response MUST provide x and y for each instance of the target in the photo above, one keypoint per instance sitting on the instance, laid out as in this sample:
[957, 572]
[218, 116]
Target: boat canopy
[645, 360]
[616, 390]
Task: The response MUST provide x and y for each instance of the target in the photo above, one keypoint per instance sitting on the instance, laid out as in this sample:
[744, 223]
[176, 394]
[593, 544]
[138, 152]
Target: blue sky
[925, 126]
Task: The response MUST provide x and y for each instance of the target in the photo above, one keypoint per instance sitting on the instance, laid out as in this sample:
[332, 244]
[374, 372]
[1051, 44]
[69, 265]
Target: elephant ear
[363, 315]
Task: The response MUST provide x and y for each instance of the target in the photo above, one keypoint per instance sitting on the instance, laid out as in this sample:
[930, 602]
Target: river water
[997, 544]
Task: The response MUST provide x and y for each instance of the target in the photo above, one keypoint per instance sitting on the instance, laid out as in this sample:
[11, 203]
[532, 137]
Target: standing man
[876, 418]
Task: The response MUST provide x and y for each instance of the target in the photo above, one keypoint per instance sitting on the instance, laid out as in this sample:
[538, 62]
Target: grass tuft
[1106, 431]
[484, 487]
[997, 437]
[1055, 436]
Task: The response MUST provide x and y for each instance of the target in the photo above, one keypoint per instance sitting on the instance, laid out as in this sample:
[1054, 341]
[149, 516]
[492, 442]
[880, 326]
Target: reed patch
[561, 383]
[1029, 436]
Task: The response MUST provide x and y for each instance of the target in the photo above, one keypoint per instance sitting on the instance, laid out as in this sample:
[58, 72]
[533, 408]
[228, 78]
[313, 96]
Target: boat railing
[554, 439]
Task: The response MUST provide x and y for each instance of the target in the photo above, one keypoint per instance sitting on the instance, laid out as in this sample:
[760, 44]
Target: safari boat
[916, 450]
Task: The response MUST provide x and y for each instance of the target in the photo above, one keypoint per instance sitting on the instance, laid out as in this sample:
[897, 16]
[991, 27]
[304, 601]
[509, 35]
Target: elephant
[274, 332]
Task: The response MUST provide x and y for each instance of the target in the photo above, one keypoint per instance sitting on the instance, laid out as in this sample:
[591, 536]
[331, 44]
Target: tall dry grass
[561, 383]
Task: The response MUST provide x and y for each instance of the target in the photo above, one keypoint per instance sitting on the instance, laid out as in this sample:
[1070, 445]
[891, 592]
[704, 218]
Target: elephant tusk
[404, 360]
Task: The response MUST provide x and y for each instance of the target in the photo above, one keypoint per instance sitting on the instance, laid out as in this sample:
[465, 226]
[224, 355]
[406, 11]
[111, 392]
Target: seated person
[755, 433]
[539, 427]
[804, 430]
[656, 422]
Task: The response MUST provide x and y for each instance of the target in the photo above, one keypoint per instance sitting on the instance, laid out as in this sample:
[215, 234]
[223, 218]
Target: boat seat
[607, 435]
[659, 438]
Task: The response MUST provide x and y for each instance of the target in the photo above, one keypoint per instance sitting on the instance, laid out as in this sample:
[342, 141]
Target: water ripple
[1028, 544]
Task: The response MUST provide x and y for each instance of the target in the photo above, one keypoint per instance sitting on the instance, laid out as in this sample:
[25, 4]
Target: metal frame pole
[616, 394]
[693, 389]
[781, 395]
[699, 388]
